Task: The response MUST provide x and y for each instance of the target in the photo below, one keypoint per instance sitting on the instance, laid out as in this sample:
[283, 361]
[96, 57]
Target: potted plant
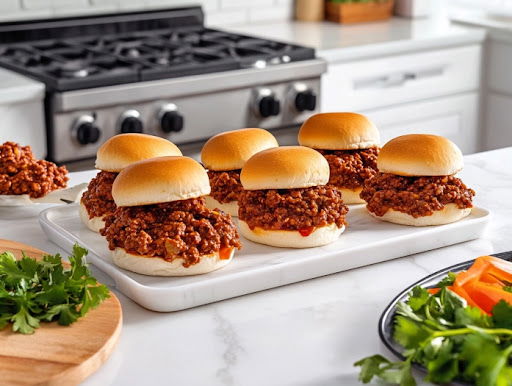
[357, 11]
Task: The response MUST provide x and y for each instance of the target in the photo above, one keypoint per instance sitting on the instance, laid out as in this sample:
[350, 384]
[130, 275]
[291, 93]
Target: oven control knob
[130, 122]
[305, 100]
[86, 131]
[269, 106]
[171, 121]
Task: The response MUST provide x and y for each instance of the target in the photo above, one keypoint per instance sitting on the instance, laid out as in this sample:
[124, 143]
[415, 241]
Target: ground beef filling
[292, 209]
[22, 173]
[416, 196]
[97, 199]
[181, 229]
[225, 185]
[350, 168]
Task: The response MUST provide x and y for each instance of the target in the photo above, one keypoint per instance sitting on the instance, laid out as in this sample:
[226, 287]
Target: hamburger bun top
[339, 131]
[420, 155]
[122, 150]
[286, 167]
[231, 150]
[160, 180]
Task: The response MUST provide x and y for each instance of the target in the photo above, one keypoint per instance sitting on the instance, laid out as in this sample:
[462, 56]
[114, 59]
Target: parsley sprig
[450, 339]
[32, 291]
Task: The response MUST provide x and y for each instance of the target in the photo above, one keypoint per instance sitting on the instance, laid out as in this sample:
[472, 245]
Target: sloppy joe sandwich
[161, 225]
[416, 183]
[224, 155]
[21, 174]
[112, 157]
[286, 202]
[350, 144]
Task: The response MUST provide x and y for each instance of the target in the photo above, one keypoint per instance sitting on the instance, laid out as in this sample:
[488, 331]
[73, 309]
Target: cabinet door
[393, 80]
[498, 131]
[453, 117]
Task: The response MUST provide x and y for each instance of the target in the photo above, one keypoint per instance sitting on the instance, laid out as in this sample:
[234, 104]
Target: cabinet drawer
[393, 80]
[454, 117]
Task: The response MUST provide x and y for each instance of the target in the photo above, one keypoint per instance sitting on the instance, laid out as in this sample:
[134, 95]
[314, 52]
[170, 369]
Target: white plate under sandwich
[258, 267]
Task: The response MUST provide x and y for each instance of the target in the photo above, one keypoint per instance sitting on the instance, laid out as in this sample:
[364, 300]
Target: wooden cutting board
[58, 355]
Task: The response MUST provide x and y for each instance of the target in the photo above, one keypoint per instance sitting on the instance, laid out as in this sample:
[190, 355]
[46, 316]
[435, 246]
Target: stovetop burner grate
[94, 61]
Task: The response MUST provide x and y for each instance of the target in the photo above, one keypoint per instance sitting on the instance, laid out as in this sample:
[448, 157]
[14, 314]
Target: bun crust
[231, 150]
[156, 266]
[351, 196]
[94, 224]
[420, 155]
[286, 167]
[450, 213]
[122, 150]
[230, 208]
[159, 180]
[291, 239]
[339, 131]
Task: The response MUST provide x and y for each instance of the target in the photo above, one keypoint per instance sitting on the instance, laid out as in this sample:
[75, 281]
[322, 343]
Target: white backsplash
[218, 12]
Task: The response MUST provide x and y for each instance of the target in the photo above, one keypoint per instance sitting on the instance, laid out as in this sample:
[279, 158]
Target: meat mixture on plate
[97, 199]
[226, 186]
[416, 196]
[350, 168]
[181, 229]
[22, 173]
[292, 209]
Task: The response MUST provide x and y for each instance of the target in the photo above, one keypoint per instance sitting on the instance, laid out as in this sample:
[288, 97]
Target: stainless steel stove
[159, 72]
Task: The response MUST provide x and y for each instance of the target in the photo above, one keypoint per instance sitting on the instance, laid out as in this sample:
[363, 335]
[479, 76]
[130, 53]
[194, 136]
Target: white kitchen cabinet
[22, 112]
[454, 117]
[428, 92]
[498, 123]
[498, 93]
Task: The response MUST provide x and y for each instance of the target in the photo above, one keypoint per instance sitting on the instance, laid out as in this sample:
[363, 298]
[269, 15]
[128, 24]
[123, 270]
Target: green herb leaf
[502, 315]
[447, 281]
[45, 290]
[472, 316]
[391, 372]
[418, 298]
[371, 367]
[410, 333]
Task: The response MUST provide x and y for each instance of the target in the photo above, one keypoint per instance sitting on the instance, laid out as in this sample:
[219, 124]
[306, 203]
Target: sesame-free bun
[339, 131]
[450, 213]
[291, 239]
[229, 208]
[286, 167]
[231, 149]
[351, 196]
[156, 266]
[94, 224]
[420, 155]
[159, 180]
[122, 150]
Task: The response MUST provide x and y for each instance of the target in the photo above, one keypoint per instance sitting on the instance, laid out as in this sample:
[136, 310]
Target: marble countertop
[340, 43]
[304, 334]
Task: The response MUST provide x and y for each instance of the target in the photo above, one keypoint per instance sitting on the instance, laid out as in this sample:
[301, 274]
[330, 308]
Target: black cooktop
[78, 53]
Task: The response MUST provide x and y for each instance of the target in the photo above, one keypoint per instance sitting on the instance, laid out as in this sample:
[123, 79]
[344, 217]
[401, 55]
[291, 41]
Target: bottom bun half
[450, 213]
[291, 239]
[94, 224]
[351, 196]
[156, 266]
[230, 208]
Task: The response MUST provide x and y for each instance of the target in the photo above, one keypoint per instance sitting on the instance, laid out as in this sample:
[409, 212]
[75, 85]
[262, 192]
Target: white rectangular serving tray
[258, 267]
